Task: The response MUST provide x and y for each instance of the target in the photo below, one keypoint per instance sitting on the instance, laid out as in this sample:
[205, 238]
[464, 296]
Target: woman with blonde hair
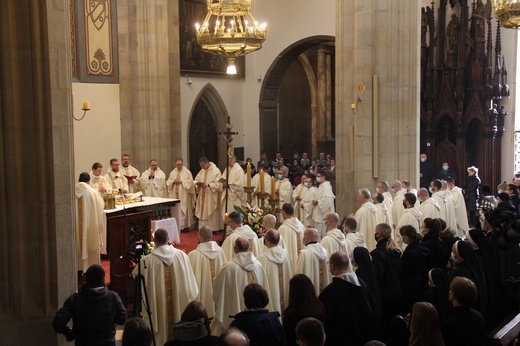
[386, 262]
[425, 329]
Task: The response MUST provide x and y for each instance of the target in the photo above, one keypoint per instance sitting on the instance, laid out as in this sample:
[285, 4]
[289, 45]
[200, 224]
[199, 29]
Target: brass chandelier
[230, 30]
[508, 12]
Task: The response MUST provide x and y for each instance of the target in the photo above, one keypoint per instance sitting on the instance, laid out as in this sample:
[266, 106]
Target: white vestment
[297, 194]
[397, 205]
[263, 248]
[153, 186]
[314, 262]
[325, 198]
[430, 209]
[292, 232]
[255, 182]
[131, 171]
[99, 181]
[117, 181]
[236, 189]
[242, 231]
[354, 240]
[90, 226]
[461, 215]
[447, 208]
[279, 269]
[411, 216]
[285, 189]
[206, 261]
[388, 202]
[366, 223]
[171, 286]
[185, 191]
[228, 291]
[308, 208]
[334, 241]
[207, 208]
[382, 215]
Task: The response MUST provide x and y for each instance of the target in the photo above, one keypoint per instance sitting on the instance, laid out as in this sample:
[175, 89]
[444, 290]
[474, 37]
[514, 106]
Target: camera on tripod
[139, 249]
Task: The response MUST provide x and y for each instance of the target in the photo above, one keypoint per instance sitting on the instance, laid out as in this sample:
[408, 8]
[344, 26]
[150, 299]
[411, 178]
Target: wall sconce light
[354, 106]
[85, 109]
[189, 81]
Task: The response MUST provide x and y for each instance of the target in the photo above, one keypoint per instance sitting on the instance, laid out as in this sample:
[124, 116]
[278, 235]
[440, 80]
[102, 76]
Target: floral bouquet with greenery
[253, 217]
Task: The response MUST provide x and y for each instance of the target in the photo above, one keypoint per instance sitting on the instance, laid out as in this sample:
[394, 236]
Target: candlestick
[273, 187]
[248, 175]
[262, 184]
[86, 105]
[226, 218]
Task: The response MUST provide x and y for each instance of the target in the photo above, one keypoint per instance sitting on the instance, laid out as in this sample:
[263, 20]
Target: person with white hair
[313, 261]
[366, 218]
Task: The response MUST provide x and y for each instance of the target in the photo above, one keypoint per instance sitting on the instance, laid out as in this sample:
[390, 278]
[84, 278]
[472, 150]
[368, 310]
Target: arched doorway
[207, 119]
[297, 99]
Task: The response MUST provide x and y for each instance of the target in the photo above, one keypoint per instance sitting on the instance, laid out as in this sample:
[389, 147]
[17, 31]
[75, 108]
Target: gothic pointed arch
[207, 119]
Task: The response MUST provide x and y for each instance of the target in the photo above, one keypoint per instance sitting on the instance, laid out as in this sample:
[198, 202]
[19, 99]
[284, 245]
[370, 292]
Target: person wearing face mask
[427, 171]
[382, 214]
[411, 216]
[297, 196]
[446, 172]
[306, 206]
[472, 194]
[397, 204]
[313, 261]
[323, 203]
[284, 188]
[429, 206]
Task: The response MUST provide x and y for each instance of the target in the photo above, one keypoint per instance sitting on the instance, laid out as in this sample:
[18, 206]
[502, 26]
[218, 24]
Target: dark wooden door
[203, 140]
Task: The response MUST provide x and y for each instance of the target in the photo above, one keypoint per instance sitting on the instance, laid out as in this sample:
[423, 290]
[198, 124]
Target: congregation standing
[360, 274]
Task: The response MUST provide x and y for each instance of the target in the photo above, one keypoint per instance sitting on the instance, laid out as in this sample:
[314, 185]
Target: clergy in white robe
[306, 204]
[411, 216]
[284, 189]
[268, 222]
[297, 197]
[366, 218]
[238, 229]
[323, 203]
[429, 207]
[153, 181]
[116, 179]
[98, 181]
[382, 215]
[232, 184]
[382, 187]
[314, 261]
[459, 205]
[292, 232]
[90, 224]
[131, 174]
[255, 182]
[279, 269]
[334, 239]
[443, 197]
[206, 261]
[208, 187]
[353, 239]
[230, 282]
[170, 284]
[180, 186]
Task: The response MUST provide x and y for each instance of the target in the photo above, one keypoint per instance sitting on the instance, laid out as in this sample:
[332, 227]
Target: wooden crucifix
[228, 136]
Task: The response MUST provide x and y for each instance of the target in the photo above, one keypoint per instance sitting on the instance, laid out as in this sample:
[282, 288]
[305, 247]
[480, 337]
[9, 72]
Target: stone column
[376, 38]
[149, 81]
[37, 270]
[324, 80]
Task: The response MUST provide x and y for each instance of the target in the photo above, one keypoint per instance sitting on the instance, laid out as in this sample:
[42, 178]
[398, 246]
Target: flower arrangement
[253, 217]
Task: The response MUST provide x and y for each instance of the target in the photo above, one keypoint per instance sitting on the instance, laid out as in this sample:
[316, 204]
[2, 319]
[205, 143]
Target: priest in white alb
[90, 224]
[230, 282]
[206, 261]
[279, 269]
[307, 206]
[388, 202]
[232, 184]
[411, 216]
[208, 186]
[443, 196]
[353, 238]
[153, 181]
[238, 229]
[382, 214]
[314, 261]
[283, 187]
[268, 222]
[116, 179]
[323, 203]
[180, 186]
[397, 203]
[334, 239]
[459, 205]
[98, 181]
[292, 232]
[366, 218]
[170, 285]
[131, 174]
[297, 197]
[429, 207]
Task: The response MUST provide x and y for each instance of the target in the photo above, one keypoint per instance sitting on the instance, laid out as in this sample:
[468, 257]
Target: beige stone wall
[376, 38]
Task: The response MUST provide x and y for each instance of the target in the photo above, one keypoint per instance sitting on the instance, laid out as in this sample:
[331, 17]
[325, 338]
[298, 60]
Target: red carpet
[188, 243]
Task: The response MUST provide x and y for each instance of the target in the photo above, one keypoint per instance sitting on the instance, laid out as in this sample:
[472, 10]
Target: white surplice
[334, 241]
[117, 181]
[292, 232]
[354, 240]
[207, 208]
[185, 191]
[412, 217]
[153, 186]
[285, 189]
[461, 215]
[297, 194]
[447, 211]
[388, 202]
[99, 181]
[325, 198]
[237, 196]
[366, 223]
[430, 209]
[242, 231]
[382, 215]
[308, 208]
[131, 171]
[397, 206]
[314, 263]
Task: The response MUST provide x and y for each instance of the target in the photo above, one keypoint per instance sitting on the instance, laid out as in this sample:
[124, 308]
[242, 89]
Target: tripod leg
[147, 307]
[136, 311]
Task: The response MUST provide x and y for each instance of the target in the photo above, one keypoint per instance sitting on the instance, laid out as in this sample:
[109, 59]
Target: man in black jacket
[94, 311]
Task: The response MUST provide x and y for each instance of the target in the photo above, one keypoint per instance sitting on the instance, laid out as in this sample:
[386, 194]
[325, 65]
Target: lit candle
[226, 218]
[86, 105]
[273, 187]
[262, 185]
[248, 175]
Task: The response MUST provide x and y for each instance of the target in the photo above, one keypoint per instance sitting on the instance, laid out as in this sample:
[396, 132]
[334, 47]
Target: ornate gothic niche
[476, 141]
[445, 142]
